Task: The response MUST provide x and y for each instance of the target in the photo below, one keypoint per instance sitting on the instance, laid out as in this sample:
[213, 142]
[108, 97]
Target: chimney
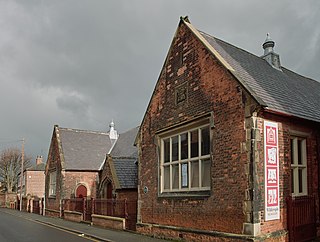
[39, 160]
[112, 133]
[269, 55]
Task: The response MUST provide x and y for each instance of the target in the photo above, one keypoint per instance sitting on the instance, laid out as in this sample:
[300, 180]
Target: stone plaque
[181, 93]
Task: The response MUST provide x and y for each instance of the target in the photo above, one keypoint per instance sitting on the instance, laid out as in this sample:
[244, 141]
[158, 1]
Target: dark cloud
[82, 63]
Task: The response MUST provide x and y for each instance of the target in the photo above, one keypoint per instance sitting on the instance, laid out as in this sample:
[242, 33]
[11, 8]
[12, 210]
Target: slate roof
[84, 150]
[127, 172]
[124, 146]
[125, 155]
[283, 91]
[39, 167]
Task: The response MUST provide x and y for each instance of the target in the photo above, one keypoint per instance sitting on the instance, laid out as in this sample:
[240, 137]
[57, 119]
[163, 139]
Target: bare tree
[10, 167]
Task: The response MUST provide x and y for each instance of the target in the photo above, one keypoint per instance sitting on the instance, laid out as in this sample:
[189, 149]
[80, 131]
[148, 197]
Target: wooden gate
[301, 218]
[36, 206]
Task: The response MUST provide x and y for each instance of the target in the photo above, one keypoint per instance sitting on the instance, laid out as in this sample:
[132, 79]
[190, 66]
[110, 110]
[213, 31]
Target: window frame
[295, 166]
[200, 159]
[52, 183]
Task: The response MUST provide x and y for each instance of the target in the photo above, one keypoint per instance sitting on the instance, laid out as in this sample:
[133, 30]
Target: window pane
[174, 141]
[205, 141]
[166, 150]
[300, 181]
[175, 176]
[184, 146]
[205, 173]
[299, 152]
[184, 175]
[195, 174]
[292, 153]
[194, 143]
[166, 177]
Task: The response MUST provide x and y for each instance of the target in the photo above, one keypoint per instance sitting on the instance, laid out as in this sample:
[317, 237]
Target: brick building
[229, 145]
[73, 165]
[34, 179]
[118, 177]
[33, 185]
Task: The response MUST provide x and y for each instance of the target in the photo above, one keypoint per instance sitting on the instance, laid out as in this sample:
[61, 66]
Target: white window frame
[200, 158]
[296, 167]
[52, 183]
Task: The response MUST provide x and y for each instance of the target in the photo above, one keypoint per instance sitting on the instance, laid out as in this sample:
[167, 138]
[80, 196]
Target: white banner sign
[271, 167]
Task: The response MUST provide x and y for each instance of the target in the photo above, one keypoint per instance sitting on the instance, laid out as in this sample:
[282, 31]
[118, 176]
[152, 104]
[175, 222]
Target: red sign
[271, 166]
[272, 195]
[271, 133]
[271, 156]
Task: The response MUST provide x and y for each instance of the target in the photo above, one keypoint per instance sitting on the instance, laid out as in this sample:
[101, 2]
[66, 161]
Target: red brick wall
[74, 178]
[129, 194]
[210, 88]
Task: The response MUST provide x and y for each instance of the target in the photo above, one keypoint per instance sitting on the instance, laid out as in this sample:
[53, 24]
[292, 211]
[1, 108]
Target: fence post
[84, 209]
[60, 207]
[92, 205]
[125, 208]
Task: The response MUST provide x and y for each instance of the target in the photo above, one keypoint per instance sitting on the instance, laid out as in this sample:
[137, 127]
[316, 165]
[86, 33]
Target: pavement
[83, 229]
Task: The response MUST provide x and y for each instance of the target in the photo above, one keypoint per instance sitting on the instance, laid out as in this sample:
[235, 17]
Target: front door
[81, 191]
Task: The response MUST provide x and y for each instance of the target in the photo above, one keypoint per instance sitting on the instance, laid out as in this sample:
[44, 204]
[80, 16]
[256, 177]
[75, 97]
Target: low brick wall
[189, 234]
[73, 216]
[52, 213]
[109, 222]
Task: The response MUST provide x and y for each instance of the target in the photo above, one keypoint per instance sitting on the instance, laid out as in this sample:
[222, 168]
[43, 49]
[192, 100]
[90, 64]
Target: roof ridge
[252, 54]
[225, 42]
[84, 131]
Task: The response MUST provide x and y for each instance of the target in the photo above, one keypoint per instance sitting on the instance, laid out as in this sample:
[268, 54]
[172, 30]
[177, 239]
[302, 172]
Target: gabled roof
[37, 167]
[82, 149]
[124, 159]
[283, 91]
[127, 172]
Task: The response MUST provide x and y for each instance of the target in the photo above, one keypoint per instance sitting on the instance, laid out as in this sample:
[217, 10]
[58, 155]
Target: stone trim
[218, 234]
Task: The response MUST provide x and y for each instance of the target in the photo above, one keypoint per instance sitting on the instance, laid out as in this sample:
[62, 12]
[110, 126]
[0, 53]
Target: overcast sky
[82, 63]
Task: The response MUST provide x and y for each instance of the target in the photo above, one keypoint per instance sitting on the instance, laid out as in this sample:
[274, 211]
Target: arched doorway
[81, 191]
[107, 190]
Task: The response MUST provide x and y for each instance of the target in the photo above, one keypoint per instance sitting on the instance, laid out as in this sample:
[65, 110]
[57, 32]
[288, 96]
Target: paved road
[16, 229]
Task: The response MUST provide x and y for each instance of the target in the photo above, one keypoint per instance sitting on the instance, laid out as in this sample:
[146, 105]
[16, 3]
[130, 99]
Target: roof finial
[269, 55]
[111, 125]
[268, 44]
[112, 133]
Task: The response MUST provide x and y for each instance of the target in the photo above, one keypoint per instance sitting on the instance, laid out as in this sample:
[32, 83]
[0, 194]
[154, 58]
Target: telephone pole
[21, 175]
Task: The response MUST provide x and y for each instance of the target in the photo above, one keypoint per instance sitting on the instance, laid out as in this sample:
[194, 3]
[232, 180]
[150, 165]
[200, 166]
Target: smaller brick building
[229, 146]
[118, 177]
[33, 185]
[73, 165]
[34, 179]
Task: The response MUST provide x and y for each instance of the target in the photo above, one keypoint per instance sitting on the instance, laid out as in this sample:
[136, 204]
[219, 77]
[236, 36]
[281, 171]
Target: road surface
[16, 229]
